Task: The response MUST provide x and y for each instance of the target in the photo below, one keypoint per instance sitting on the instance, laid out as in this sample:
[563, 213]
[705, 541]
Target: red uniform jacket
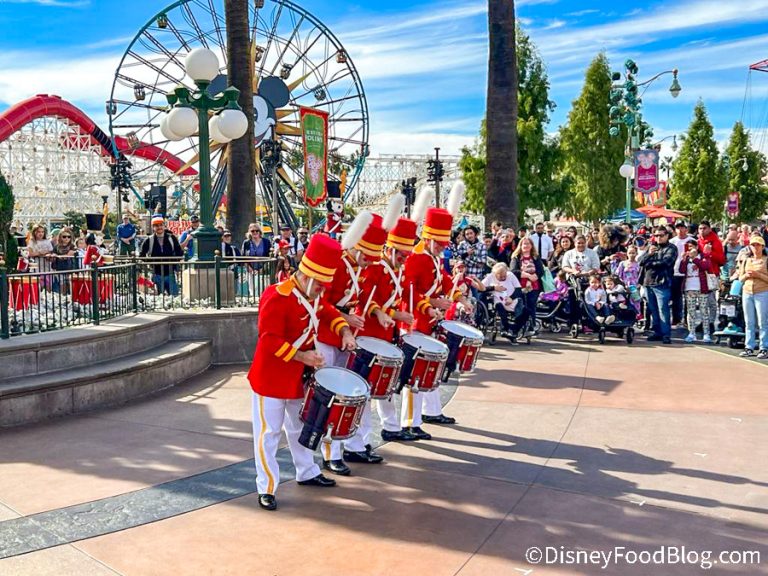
[282, 321]
[426, 277]
[335, 295]
[384, 298]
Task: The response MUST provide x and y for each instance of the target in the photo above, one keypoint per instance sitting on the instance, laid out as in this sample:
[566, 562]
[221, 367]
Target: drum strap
[313, 321]
[398, 291]
[437, 280]
[355, 277]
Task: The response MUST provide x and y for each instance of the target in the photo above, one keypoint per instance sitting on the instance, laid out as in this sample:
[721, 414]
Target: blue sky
[423, 63]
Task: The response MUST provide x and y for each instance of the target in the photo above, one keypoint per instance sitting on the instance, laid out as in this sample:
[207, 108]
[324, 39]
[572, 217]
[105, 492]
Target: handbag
[713, 282]
[547, 282]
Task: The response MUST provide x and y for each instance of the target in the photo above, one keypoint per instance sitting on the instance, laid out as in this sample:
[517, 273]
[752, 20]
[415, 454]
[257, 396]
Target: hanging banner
[732, 205]
[314, 132]
[646, 171]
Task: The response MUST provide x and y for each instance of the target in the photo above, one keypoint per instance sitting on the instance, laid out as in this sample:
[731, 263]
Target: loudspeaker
[158, 195]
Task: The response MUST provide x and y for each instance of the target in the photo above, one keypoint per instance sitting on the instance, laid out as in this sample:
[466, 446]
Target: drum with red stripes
[424, 362]
[379, 362]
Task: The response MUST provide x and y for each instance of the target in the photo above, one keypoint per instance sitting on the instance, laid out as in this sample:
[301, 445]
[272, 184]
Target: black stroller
[730, 315]
[622, 327]
[554, 316]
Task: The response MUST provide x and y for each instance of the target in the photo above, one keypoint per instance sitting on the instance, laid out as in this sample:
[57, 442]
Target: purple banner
[646, 171]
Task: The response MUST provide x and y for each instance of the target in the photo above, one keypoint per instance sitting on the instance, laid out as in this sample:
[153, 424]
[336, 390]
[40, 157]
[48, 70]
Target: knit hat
[157, 219]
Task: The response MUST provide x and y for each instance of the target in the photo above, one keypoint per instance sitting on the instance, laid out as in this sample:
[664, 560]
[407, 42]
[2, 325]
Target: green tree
[537, 155]
[699, 181]
[745, 175]
[8, 244]
[591, 156]
[501, 197]
[241, 161]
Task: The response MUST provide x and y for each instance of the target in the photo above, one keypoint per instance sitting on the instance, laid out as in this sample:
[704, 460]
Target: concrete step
[81, 346]
[33, 398]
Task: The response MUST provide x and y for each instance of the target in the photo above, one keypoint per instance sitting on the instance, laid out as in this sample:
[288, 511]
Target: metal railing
[32, 302]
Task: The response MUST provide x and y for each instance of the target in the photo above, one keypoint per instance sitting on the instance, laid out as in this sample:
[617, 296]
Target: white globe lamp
[214, 132]
[627, 170]
[232, 124]
[202, 65]
[166, 131]
[183, 121]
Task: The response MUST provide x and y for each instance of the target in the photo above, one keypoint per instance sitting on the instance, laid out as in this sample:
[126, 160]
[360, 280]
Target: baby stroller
[730, 315]
[552, 315]
[622, 327]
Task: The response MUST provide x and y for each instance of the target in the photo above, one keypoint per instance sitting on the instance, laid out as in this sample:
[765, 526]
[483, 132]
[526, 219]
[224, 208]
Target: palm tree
[241, 175]
[501, 200]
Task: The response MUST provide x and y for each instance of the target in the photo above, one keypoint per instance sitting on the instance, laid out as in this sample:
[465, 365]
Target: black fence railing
[32, 302]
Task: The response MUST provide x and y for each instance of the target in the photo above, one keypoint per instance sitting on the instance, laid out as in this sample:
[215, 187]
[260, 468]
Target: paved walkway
[565, 446]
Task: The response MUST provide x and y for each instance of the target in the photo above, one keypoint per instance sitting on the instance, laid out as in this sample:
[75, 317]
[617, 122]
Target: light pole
[625, 109]
[189, 114]
[270, 159]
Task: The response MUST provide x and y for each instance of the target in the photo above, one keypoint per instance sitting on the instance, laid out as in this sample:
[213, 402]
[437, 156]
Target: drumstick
[410, 308]
[367, 305]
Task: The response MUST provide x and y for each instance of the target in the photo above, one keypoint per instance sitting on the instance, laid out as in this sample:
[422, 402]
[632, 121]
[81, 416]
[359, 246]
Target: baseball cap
[194, 218]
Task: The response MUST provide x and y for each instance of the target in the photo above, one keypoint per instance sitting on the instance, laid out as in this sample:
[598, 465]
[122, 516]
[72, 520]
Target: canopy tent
[658, 212]
[621, 216]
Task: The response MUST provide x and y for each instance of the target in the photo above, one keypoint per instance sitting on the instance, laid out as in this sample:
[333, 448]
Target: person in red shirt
[290, 315]
[385, 283]
[362, 244]
[710, 246]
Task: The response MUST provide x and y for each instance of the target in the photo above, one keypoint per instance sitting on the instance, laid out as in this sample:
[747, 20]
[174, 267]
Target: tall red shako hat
[437, 225]
[321, 259]
[372, 242]
[403, 236]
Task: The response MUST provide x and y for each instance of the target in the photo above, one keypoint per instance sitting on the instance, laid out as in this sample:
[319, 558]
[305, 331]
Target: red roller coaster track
[44, 105]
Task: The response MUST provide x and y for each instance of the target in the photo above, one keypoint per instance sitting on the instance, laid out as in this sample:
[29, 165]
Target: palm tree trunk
[501, 198]
[241, 175]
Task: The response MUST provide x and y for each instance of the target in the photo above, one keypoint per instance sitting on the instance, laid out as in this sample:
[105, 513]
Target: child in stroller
[552, 310]
[731, 314]
[600, 315]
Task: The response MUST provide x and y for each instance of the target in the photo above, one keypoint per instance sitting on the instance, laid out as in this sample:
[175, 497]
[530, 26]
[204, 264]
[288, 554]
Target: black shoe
[419, 433]
[399, 436]
[267, 501]
[654, 338]
[337, 467]
[363, 457]
[319, 480]
[442, 419]
[666, 340]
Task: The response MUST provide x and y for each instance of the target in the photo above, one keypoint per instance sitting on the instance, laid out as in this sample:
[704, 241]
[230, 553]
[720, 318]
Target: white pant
[333, 357]
[388, 414]
[410, 415]
[431, 405]
[270, 415]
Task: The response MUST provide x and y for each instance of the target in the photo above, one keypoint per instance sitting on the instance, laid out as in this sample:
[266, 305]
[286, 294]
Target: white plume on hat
[356, 230]
[423, 200]
[455, 198]
[394, 211]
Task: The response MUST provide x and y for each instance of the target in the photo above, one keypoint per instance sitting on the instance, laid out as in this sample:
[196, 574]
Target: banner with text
[314, 132]
[646, 171]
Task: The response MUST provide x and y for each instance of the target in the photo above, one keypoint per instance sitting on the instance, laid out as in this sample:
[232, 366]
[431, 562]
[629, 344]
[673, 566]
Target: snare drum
[425, 359]
[379, 362]
[333, 405]
[464, 343]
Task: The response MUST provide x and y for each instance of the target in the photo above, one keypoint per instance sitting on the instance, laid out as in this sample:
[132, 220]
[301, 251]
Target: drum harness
[355, 290]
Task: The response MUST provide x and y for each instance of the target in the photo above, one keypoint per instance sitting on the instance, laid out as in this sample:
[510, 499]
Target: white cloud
[396, 142]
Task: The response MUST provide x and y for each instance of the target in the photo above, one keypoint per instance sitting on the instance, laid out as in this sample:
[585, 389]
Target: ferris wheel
[297, 62]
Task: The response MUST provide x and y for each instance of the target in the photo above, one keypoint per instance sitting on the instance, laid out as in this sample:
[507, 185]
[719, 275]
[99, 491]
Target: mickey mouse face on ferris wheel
[273, 93]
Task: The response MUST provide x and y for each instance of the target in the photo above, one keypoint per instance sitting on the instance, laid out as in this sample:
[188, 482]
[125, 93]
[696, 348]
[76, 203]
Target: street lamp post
[625, 110]
[189, 114]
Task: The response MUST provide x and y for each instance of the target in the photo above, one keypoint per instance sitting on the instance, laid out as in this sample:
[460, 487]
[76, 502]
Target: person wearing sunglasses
[656, 269]
[65, 253]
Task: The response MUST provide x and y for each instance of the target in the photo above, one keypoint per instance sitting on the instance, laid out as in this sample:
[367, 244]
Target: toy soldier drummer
[289, 318]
